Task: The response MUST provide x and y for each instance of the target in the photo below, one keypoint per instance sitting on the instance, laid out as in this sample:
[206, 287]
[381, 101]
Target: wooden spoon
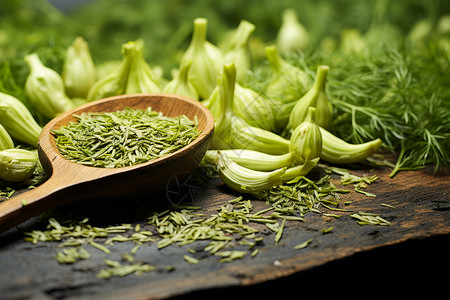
[69, 181]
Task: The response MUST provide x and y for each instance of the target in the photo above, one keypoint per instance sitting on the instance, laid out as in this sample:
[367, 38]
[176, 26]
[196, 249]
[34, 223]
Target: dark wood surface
[409, 257]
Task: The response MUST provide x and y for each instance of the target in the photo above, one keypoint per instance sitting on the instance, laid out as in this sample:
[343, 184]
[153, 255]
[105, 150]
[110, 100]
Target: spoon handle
[33, 202]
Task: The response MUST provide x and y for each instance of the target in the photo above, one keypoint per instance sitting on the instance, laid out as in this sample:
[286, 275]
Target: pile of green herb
[123, 138]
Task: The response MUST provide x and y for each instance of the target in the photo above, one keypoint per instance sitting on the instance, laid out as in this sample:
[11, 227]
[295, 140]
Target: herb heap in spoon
[123, 138]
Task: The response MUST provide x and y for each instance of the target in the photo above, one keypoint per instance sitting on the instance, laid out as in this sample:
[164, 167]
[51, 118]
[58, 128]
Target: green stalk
[233, 132]
[315, 97]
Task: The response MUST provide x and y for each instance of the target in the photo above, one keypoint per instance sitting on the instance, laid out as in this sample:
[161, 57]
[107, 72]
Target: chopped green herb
[255, 252]
[228, 256]
[99, 247]
[280, 231]
[303, 245]
[327, 230]
[387, 205]
[71, 255]
[332, 215]
[123, 138]
[127, 257]
[303, 195]
[135, 249]
[359, 183]
[7, 192]
[191, 259]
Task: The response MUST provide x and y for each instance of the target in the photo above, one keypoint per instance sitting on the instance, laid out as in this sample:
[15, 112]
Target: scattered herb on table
[303, 245]
[327, 230]
[117, 269]
[228, 256]
[191, 259]
[365, 218]
[234, 232]
[359, 182]
[72, 255]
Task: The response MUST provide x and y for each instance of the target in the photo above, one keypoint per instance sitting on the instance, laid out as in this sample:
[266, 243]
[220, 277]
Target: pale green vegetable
[315, 97]
[215, 53]
[232, 132]
[79, 72]
[213, 103]
[299, 170]
[18, 121]
[305, 148]
[306, 140]
[287, 84]
[336, 150]
[247, 180]
[141, 78]
[180, 85]
[254, 138]
[17, 165]
[111, 85]
[239, 51]
[79, 101]
[105, 69]
[45, 88]
[251, 181]
[248, 163]
[6, 141]
[252, 159]
[206, 60]
[131, 76]
[254, 108]
[115, 82]
[251, 171]
[292, 36]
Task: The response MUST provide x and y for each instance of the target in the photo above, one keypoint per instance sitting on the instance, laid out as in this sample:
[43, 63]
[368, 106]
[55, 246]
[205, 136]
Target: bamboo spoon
[69, 181]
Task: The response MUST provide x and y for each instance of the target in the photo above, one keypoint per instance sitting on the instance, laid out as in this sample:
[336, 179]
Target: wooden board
[408, 257]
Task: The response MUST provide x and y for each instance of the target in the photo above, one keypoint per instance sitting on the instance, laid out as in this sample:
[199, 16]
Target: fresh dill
[395, 92]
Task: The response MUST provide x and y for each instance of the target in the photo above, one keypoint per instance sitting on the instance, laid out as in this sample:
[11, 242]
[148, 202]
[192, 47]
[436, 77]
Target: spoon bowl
[69, 181]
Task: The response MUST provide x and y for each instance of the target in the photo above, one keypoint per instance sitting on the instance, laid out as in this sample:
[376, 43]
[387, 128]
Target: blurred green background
[48, 27]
